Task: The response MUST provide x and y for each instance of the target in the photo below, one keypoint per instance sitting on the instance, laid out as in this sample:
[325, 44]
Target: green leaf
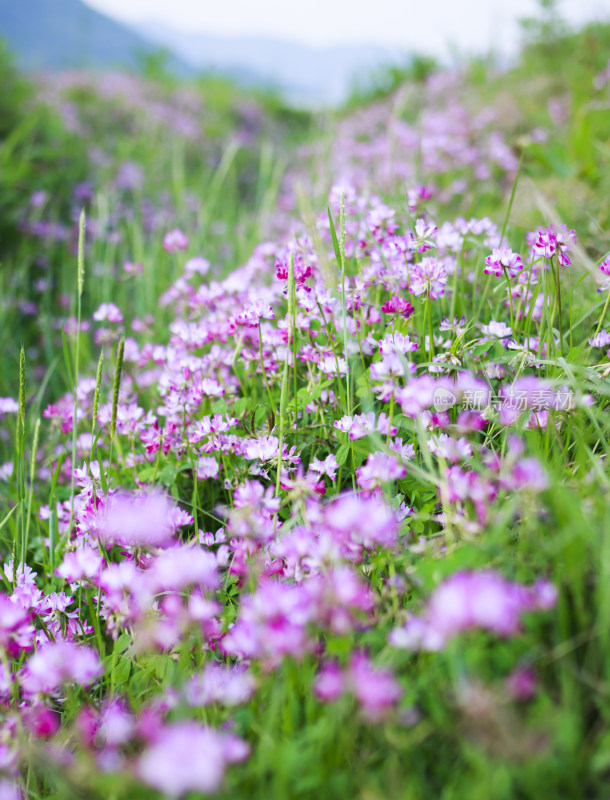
[316, 390]
[240, 372]
[160, 666]
[67, 359]
[146, 474]
[123, 642]
[139, 684]
[103, 479]
[240, 406]
[333, 234]
[168, 475]
[363, 391]
[342, 454]
[480, 349]
[9, 515]
[601, 758]
[122, 672]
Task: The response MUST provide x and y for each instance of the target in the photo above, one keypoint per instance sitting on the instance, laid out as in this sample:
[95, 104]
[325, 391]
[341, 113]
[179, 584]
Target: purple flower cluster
[471, 600]
[260, 491]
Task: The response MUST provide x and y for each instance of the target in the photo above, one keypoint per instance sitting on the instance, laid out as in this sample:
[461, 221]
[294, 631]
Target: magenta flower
[390, 367]
[601, 339]
[253, 495]
[16, 632]
[186, 757]
[328, 466]
[469, 600]
[219, 683]
[365, 424]
[449, 448]
[398, 305]
[554, 240]
[380, 220]
[131, 268]
[499, 330]
[526, 475]
[59, 663]
[197, 266]
[42, 722]
[8, 406]
[396, 343]
[380, 468]
[341, 598]
[252, 516]
[429, 277]
[344, 424]
[330, 364]
[301, 271]
[10, 790]
[138, 520]
[83, 563]
[330, 682]
[364, 521]
[272, 623]
[265, 448]
[180, 567]
[108, 312]
[376, 690]
[522, 683]
[207, 468]
[422, 238]
[38, 198]
[253, 313]
[175, 240]
[301, 484]
[503, 259]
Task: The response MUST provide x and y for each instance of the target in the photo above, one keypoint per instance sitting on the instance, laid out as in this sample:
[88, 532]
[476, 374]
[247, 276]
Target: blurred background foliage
[145, 150]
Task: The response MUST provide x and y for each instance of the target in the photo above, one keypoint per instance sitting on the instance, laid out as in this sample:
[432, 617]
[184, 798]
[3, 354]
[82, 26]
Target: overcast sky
[424, 25]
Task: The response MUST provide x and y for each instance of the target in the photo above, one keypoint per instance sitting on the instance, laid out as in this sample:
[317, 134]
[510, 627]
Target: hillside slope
[309, 75]
[59, 34]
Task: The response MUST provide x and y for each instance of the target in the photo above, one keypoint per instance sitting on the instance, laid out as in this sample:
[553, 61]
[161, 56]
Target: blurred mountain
[305, 75]
[60, 34]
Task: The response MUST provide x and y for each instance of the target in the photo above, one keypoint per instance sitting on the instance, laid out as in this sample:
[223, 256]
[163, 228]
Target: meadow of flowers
[303, 444]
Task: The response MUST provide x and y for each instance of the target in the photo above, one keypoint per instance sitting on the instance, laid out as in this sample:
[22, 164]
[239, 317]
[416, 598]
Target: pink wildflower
[328, 466]
[186, 757]
[503, 259]
[8, 406]
[138, 520]
[376, 690]
[83, 563]
[522, 683]
[554, 240]
[197, 266]
[601, 339]
[175, 240]
[429, 277]
[16, 632]
[469, 600]
[398, 305]
[218, 683]
[59, 663]
[108, 312]
[379, 469]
